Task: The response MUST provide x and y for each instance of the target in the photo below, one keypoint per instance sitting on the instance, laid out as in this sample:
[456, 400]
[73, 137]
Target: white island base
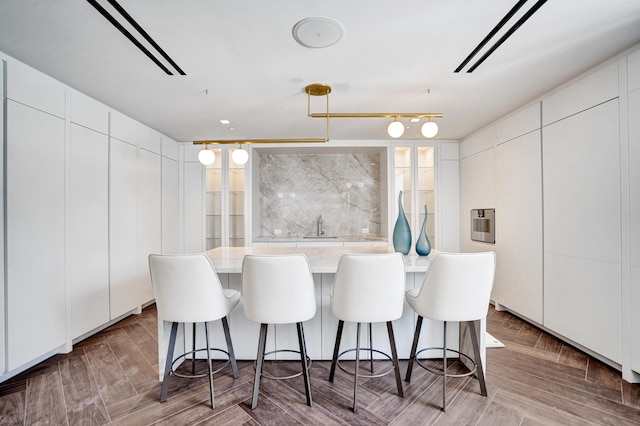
[320, 331]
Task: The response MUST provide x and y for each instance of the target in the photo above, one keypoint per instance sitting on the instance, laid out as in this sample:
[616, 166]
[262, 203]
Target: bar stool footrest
[439, 371]
[195, 376]
[272, 377]
[367, 376]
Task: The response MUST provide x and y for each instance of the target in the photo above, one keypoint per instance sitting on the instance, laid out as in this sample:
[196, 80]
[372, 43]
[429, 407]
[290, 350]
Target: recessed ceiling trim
[502, 39]
[132, 38]
[491, 34]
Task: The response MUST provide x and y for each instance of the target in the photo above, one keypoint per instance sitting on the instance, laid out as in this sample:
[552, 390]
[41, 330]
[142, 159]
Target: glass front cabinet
[414, 176]
[225, 195]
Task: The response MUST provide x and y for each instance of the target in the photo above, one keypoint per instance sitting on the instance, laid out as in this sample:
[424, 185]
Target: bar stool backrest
[369, 287]
[187, 288]
[278, 289]
[457, 287]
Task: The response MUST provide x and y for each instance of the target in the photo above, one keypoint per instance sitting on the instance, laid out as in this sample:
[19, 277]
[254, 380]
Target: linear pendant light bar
[131, 37]
[257, 141]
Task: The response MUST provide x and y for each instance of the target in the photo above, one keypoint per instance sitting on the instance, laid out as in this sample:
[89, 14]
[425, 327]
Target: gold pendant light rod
[258, 141]
[376, 115]
[319, 89]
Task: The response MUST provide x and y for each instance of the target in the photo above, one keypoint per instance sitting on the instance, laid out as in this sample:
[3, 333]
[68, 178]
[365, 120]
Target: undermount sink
[317, 238]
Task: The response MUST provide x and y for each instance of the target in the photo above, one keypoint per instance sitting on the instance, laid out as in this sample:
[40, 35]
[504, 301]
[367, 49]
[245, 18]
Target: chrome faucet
[320, 227]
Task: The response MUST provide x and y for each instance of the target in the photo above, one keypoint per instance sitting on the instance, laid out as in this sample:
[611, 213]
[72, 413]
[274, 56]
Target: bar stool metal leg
[305, 366]
[394, 358]
[262, 343]
[444, 369]
[206, 338]
[355, 382]
[169, 361]
[232, 354]
[414, 349]
[193, 347]
[336, 348]
[371, 346]
[478, 358]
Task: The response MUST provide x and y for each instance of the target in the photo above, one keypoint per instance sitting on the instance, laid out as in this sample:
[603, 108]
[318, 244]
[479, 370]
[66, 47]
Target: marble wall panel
[296, 189]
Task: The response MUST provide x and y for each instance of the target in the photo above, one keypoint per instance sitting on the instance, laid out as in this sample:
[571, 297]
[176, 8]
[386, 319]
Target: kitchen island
[320, 330]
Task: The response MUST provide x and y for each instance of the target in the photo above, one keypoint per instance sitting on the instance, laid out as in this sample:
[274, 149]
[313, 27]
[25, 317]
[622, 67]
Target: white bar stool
[188, 290]
[278, 289]
[457, 287]
[368, 288]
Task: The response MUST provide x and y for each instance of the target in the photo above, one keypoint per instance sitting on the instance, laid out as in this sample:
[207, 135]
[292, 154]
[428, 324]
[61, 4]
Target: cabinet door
[170, 201]
[518, 192]
[123, 227]
[88, 224]
[194, 230]
[35, 287]
[634, 216]
[149, 217]
[582, 238]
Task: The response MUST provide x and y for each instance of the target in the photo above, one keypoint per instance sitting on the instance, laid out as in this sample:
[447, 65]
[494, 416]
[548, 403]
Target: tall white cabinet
[35, 218]
[87, 230]
[89, 193]
[563, 176]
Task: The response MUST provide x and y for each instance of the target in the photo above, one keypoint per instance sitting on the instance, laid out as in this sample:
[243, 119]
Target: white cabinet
[415, 176]
[518, 193]
[35, 286]
[634, 217]
[170, 210]
[123, 227]
[582, 239]
[87, 230]
[225, 196]
[3, 65]
[149, 217]
[194, 229]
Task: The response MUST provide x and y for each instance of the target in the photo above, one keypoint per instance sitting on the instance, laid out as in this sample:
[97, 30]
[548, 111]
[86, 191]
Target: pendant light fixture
[206, 156]
[395, 128]
[240, 156]
[430, 128]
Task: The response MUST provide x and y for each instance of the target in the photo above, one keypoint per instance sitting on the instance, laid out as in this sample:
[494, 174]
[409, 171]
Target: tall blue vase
[423, 245]
[402, 231]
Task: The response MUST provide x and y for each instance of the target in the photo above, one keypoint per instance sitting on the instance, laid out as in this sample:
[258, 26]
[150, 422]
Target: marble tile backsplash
[295, 189]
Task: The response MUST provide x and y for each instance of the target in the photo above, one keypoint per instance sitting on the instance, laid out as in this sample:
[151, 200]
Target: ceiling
[243, 64]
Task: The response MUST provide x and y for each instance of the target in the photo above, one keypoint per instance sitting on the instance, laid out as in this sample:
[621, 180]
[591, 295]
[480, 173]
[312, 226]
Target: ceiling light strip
[128, 35]
[144, 34]
[491, 34]
[508, 34]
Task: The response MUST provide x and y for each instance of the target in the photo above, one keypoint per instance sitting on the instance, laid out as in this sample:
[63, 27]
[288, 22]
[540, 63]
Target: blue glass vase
[423, 245]
[402, 231]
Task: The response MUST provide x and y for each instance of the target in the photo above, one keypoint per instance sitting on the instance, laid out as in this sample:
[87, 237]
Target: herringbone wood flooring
[111, 378]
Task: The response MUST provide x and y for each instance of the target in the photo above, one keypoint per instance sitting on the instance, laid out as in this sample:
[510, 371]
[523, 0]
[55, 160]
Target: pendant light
[430, 128]
[206, 156]
[240, 156]
[395, 128]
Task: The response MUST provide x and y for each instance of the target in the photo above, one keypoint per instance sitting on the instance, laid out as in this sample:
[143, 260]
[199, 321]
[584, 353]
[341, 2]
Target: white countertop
[322, 259]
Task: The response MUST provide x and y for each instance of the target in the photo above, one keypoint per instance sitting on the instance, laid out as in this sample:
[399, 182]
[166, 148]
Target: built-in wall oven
[483, 225]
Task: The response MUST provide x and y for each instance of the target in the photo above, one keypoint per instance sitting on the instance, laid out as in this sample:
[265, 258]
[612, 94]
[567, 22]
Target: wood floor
[111, 378]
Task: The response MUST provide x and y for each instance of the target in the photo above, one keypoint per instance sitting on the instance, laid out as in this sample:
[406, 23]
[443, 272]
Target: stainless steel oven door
[483, 225]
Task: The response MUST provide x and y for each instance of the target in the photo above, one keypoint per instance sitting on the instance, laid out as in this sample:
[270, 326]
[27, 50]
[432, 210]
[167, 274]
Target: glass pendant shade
[395, 129]
[239, 156]
[429, 129]
[206, 157]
